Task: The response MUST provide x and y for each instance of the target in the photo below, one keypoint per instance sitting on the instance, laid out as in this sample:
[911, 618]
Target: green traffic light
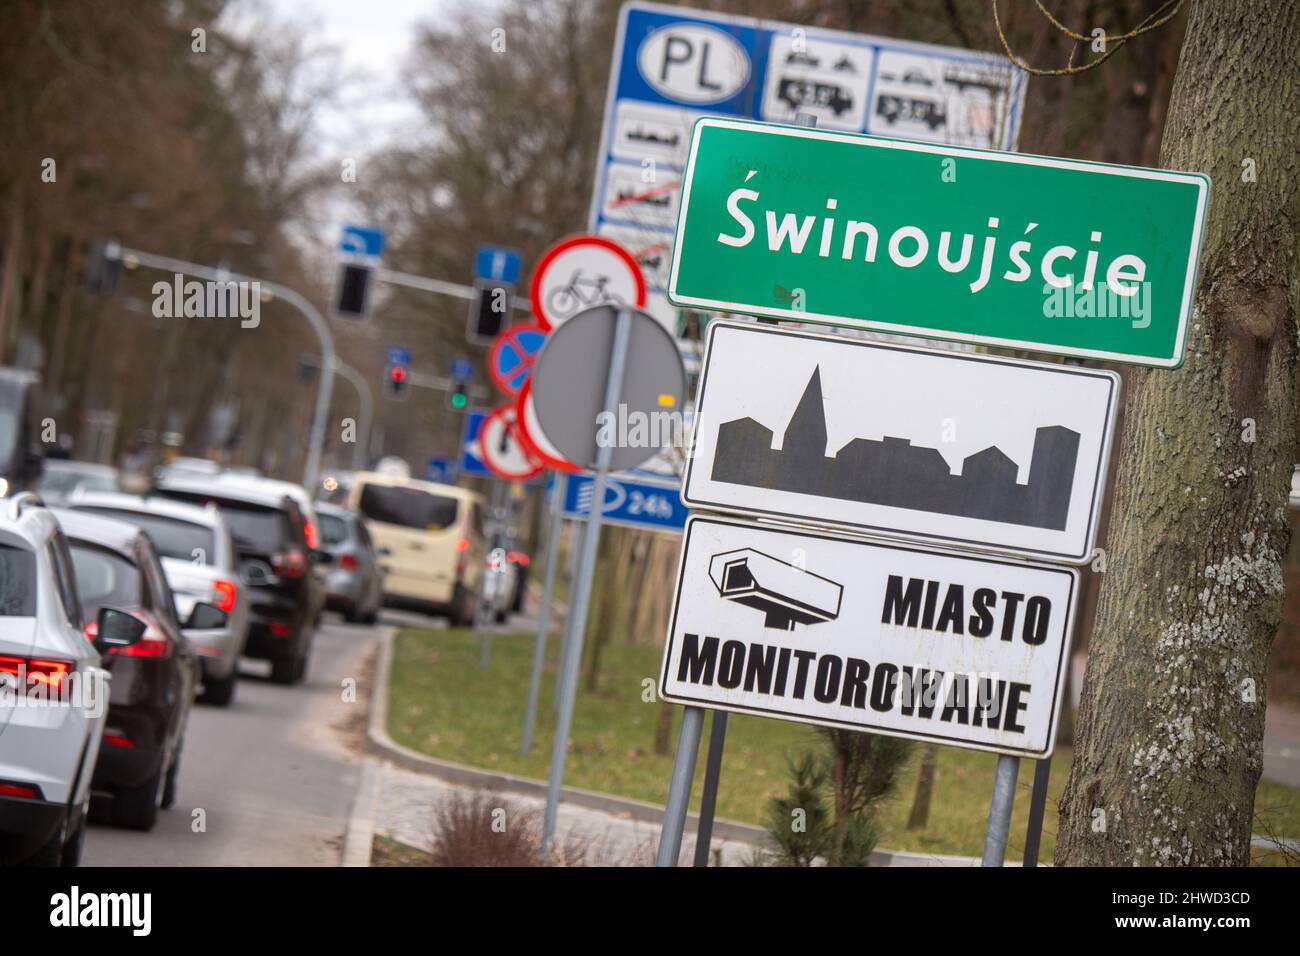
[459, 400]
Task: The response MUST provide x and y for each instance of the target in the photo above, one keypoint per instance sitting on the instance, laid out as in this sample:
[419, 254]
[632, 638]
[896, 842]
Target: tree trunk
[1168, 751]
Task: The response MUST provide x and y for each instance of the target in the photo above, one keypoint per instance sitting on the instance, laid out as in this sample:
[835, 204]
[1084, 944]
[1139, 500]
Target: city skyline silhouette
[895, 473]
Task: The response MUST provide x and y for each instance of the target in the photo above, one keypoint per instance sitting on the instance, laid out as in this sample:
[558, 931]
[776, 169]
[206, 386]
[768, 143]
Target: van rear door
[419, 527]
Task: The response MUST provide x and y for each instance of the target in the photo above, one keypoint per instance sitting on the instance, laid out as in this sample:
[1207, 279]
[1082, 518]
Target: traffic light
[489, 311]
[458, 397]
[396, 381]
[103, 267]
[353, 290]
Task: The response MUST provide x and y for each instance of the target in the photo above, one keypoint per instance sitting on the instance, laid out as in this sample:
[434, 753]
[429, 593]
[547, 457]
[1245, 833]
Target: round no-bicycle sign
[581, 272]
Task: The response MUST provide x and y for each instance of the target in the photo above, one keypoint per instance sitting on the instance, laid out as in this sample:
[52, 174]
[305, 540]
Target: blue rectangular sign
[362, 242]
[653, 506]
[440, 470]
[470, 462]
[399, 355]
[672, 65]
[496, 264]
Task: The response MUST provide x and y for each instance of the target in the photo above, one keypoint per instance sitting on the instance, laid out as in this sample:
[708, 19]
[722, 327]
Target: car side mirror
[205, 617]
[114, 628]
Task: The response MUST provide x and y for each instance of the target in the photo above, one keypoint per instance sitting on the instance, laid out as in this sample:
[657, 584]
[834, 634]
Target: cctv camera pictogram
[787, 595]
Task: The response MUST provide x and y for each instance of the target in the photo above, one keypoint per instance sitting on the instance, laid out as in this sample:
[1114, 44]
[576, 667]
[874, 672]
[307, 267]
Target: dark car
[278, 566]
[153, 681]
[21, 455]
[355, 583]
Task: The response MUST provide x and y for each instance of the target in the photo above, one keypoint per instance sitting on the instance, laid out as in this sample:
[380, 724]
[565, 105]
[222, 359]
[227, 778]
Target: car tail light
[280, 629]
[37, 671]
[462, 545]
[19, 790]
[289, 564]
[349, 562]
[225, 592]
[519, 558]
[155, 644]
[309, 532]
[118, 740]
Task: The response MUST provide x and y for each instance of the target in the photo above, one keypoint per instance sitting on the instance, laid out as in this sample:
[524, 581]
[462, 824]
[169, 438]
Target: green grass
[444, 704]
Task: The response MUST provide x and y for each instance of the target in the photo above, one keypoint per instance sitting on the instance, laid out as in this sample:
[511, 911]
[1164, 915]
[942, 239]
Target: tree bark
[1168, 752]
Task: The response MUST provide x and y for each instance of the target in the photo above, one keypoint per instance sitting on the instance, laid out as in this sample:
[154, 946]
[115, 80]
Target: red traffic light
[397, 374]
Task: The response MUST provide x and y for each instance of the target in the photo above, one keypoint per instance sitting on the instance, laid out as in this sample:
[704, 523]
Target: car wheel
[71, 855]
[284, 671]
[461, 615]
[169, 784]
[219, 691]
[136, 808]
[52, 853]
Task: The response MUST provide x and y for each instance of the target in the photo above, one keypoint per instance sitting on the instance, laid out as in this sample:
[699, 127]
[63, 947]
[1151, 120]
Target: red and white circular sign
[500, 447]
[581, 272]
[532, 437]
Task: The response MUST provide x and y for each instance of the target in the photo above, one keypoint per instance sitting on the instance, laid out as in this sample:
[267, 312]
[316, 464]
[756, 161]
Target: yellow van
[429, 538]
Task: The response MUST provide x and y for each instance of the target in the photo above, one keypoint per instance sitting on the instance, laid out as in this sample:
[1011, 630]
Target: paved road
[275, 774]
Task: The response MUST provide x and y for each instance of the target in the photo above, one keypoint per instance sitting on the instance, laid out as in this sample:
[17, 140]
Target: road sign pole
[1037, 804]
[1004, 796]
[679, 787]
[575, 549]
[709, 797]
[581, 597]
[483, 610]
[544, 612]
[131, 258]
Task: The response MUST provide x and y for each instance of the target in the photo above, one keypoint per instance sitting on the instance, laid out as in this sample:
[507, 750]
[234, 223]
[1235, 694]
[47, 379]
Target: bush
[481, 829]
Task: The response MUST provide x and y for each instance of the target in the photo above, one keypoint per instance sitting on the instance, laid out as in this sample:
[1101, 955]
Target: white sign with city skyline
[972, 451]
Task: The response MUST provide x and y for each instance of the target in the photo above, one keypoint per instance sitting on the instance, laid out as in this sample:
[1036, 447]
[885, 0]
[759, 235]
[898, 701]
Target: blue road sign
[470, 462]
[362, 241]
[399, 355]
[462, 369]
[672, 65]
[654, 506]
[496, 264]
[441, 470]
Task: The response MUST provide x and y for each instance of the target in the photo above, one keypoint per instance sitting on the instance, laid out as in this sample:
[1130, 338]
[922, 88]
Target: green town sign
[1003, 249]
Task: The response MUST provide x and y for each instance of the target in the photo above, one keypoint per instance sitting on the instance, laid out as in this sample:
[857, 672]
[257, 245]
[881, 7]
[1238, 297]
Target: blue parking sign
[362, 242]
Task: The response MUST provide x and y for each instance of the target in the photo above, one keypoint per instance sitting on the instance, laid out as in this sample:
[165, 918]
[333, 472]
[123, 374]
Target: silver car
[354, 581]
[198, 557]
[62, 478]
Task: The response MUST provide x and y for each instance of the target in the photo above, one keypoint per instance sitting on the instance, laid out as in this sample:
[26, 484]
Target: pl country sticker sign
[965, 651]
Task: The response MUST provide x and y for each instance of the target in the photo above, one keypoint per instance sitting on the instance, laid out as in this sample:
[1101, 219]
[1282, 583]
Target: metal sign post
[1004, 796]
[1037, 804]
[483, 610]
[579, 532]
[581, 596]
[709, 797]
[679, 787]
[544, 612]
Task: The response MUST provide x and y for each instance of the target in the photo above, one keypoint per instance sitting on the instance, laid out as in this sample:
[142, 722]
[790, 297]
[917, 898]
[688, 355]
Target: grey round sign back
[569, 379]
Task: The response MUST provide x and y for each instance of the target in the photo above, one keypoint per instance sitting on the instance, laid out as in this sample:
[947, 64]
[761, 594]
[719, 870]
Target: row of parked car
[117, 611]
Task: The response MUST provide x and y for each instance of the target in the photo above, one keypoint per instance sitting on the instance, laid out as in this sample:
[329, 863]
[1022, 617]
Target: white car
[53, 689]
[198, 557]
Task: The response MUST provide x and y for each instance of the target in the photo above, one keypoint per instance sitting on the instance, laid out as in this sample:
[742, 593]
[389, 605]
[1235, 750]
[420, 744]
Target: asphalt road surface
[275, 774]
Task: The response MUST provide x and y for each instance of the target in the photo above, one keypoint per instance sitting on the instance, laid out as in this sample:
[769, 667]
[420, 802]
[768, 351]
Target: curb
[378, 739]
[359, 839]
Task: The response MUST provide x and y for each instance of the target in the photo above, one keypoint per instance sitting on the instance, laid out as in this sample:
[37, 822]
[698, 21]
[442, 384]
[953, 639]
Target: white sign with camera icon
[783, 622]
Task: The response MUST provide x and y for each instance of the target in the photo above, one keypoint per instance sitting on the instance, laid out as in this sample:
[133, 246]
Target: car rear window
[333, 529]
[408, 507]
[173, 537]
[257, 528]
[104, 579]
[17, 582]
